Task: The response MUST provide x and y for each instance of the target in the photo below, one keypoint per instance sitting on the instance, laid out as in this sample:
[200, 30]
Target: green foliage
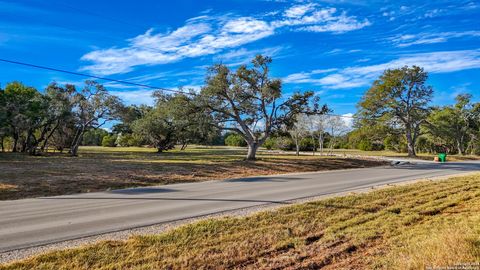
[94, 137]
[308, 144]
[129, 140]
[365, 145]
[284, 143]
[157, 129]
[249, 96]
[395, 142]
[399, 96]
[235, 140]
[24, 109]
[270, 143]
[454, 127]
[174, 119]
[109, 140]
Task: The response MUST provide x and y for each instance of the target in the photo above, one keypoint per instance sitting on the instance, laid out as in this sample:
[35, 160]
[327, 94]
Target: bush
[235, 140]
[365, 145]
[284, 143]
[129, 140]
[270, 143]
[109, 141]
[395, 143]
[307, 144]
[94, 136]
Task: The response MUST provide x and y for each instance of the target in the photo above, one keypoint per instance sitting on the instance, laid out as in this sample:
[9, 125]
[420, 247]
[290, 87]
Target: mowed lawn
[430, 223]
[102, 168]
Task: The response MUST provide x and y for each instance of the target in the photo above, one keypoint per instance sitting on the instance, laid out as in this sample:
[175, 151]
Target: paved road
[32, 222]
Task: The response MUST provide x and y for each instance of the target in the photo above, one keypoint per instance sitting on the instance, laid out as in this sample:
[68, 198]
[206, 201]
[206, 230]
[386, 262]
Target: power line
[92, 76]
[138, 84]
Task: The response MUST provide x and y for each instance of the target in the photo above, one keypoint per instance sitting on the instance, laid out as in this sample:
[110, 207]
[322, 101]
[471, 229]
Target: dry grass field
[430, 223]
[100, 168]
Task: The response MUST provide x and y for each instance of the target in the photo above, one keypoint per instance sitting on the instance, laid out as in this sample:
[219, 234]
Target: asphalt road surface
[33, 222]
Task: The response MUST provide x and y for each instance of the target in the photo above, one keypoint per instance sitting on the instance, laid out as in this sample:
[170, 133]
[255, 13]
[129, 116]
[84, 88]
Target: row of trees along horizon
[242, 107]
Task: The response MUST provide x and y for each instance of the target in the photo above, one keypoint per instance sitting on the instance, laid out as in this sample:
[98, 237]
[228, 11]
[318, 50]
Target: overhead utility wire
[92, 76]
[131, 83]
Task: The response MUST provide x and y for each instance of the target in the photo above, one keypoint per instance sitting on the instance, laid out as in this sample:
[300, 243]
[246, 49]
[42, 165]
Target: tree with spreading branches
[251, 103]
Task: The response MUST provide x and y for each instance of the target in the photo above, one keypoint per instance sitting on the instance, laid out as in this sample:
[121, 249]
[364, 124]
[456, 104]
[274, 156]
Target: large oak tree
[251, 103]
[400, 96]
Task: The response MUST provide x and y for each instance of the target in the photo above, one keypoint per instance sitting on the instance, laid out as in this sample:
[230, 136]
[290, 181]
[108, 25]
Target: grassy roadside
[408, 227]
[392, 154]
[101, 168]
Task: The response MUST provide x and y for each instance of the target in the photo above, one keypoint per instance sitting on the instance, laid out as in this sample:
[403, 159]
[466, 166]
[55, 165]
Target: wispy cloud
[308, 17]
[144, 96]
[430, 38]
[244, 56]
[135, 97]
[358, 76]
[207, 35]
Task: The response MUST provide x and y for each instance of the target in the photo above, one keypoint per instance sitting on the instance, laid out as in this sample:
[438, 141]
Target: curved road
[32, 222]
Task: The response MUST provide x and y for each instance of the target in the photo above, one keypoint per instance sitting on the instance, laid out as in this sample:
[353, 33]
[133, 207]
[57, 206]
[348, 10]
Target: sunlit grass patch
[4, 187]
[441, 246]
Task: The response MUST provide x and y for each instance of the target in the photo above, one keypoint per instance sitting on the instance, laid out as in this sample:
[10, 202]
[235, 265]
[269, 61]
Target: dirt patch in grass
[383, 229]
[98, 169]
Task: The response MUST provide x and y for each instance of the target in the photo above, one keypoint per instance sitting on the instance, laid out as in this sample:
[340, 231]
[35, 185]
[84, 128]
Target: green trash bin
[442, 157]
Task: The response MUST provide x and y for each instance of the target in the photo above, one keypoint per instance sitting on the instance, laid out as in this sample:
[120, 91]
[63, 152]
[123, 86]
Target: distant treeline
[240, 108]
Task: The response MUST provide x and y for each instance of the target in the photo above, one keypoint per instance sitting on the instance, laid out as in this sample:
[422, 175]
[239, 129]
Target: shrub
[129, 140]
[365, 145]
[109, 141]
[94, 136]
[235, 140]
[307, 144]
[270, 143]
[284, 143]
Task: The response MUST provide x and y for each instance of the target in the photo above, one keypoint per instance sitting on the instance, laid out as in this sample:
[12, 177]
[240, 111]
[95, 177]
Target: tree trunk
[1, 144]
[320, 144]
[410, 143]
[184, 146]
[297, 147]
[26, 143]
[314, 146]
[15, 142]
[461, 151]
[45, 142]
[252, 150]
[76, 142]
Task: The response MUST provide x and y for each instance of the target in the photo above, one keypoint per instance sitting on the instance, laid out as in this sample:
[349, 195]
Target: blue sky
[336, 48]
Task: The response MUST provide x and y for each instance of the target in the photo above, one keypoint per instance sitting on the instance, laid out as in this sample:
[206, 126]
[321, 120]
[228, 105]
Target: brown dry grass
[99, 168]
[431, 222]
[451, 246]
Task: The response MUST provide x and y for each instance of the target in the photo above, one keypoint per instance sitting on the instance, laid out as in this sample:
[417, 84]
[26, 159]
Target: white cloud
[341, 25]
[242, 56]
[357, 76]
[348, 119]
[430, 38]
[191, 40]
[135, 97]
[144, 96]
[207, 35]
[433, 13]
[298, 10]
[308, 17]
